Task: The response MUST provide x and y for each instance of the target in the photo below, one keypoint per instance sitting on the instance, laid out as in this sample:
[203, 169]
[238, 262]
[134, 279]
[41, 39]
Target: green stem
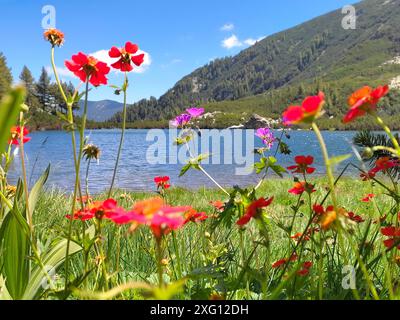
[329, 172]
[77, 180]
[159, 264]
[388, 132]
[125, 86]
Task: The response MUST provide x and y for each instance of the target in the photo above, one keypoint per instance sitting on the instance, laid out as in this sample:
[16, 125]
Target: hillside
[318, 54]
[100, 110]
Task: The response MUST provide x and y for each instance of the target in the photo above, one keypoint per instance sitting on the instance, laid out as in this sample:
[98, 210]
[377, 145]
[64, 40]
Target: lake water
[135, 173]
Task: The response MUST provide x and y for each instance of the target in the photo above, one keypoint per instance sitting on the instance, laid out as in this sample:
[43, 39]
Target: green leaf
[51, 259]
[37, 188]
[10, 106]
[338, 159]
[16, 250]
[4, 294]
[169, 291]
[185, 169]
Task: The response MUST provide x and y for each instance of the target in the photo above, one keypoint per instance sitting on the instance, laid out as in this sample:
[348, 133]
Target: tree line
[42, 95]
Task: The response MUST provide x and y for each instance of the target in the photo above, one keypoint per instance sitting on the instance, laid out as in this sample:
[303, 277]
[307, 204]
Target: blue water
[135, 173]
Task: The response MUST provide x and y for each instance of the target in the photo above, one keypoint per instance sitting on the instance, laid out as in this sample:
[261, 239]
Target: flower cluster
[162, 183]
[267, 137]
[184, 119]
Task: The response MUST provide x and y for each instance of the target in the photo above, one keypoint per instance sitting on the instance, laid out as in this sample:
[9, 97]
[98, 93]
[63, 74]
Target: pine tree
[31, 95]
[43, 90]
[5, 76]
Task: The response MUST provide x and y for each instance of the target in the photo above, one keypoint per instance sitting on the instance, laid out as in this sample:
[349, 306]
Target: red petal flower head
[126, 57]
[162, 182]
[301, 187]
[88, 68]
[394, 237]
[363, 101]
[253, 210]
[302, 165]
[307, 112]
[19, 136]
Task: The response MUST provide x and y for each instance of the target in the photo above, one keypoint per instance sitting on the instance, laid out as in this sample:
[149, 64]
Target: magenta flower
[267, 136]
[195, 112]
[181, 120]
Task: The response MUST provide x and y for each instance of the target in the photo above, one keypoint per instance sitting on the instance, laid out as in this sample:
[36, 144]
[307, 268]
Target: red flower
[19, 136]
[318, 209]
[153, 212]
[368, 197]
[126, 56]
[363, 101]
[218, 205]
[298, 236]
[301, 187]
[98, 209]
[394, 237]
[356, 218]
[307, 112]
[283, 261]
[194, 216]
[302, 165]
[253, 210]
[384, 164]
[279, 263]
[88, 68]
[162, 182]
[305, 269]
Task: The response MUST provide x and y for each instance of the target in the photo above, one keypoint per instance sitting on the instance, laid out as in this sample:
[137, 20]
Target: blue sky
[179, 35]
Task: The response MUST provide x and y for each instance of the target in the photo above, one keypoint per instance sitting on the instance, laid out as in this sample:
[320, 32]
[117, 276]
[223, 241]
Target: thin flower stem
[388, 132]
[24, 176]
[329, 171]
[205, 172]
[60, 88]
[87, 179]
[125, 87]
[159, 265]
[77, 183]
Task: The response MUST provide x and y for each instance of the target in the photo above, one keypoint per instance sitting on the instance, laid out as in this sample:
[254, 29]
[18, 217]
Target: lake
[135, 171]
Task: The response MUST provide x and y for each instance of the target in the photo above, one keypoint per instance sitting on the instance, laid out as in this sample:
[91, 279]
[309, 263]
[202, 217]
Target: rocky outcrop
[256, 122]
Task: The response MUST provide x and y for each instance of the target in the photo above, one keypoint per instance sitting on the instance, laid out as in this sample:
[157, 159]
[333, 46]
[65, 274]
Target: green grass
[209, 255]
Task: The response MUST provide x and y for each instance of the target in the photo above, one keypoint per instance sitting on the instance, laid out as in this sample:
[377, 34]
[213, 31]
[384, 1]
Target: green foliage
[5, 76]
[10, 106]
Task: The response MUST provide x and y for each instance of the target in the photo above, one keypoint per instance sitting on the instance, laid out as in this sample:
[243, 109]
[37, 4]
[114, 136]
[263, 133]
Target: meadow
[209, 255]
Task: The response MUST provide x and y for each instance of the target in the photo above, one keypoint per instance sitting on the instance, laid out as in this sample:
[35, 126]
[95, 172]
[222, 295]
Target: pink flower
[195, 112]
[181, 120]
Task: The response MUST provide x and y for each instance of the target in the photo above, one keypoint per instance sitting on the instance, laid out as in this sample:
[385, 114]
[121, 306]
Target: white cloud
[251, 41]
[231, 42]
[102, 55]
[62, 72]
[227, 27]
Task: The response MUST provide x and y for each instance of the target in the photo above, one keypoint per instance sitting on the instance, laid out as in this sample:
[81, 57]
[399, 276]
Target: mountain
[318, 54]
[100, 110]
